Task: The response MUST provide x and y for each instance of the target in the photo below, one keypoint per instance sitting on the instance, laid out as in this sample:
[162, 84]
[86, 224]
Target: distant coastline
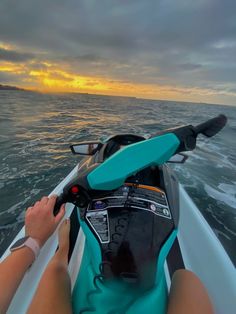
[8, 87]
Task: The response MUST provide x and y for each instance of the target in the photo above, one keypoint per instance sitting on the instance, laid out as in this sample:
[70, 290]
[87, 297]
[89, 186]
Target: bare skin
[188, 295]
[53, 294]
[40, 223]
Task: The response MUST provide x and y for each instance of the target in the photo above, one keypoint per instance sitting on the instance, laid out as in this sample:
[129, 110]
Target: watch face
[19, 243]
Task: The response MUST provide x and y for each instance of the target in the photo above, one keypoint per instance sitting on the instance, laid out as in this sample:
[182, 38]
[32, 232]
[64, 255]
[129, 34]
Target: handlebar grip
[212, 126]
[60, 200]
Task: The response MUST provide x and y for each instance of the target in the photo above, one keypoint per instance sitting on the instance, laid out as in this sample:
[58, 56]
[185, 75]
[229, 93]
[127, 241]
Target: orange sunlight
[11, 67]
[54, 79]
[45, 76]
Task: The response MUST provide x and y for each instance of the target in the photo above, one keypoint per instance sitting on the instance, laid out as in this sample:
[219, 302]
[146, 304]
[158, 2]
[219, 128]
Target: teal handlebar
[131, 159]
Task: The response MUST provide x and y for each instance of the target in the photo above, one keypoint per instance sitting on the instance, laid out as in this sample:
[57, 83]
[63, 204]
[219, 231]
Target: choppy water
[36, 130]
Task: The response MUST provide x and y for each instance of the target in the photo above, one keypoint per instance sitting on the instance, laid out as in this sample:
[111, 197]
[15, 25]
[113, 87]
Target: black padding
[74, 230]
[175, 259]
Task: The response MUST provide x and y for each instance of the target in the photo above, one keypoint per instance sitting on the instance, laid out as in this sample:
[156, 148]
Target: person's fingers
[29, 209]
[61, 213]
[44, 200]
[36, 204]
[52, 201]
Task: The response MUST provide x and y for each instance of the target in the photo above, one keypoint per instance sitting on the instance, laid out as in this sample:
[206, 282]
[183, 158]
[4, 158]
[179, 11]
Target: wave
[226, 195]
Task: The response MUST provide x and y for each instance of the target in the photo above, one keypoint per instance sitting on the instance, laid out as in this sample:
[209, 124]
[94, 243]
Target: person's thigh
[188, 295]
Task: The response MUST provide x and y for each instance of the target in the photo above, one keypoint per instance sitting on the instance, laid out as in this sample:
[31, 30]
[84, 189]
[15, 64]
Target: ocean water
[37, 129]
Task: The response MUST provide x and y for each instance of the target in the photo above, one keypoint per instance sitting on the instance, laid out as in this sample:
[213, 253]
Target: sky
[160, 49]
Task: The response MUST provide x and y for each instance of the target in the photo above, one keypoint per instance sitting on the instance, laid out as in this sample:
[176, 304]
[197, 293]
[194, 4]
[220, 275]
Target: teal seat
[93, 295]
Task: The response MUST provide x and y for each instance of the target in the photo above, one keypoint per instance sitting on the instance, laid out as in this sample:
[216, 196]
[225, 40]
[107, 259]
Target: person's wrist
[27, 242]
[30, 252]
[26, 250]
[39, 240]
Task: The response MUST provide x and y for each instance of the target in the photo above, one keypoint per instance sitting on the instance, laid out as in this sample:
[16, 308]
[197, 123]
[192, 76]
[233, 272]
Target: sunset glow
[46, 76]
[172, 50]
[12, 68]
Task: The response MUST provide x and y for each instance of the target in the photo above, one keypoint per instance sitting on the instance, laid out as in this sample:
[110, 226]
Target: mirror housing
[85, 148]
[178, 158]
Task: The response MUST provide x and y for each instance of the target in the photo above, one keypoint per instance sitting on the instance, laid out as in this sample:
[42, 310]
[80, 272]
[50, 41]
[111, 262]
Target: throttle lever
[74, 194]
[61, 199]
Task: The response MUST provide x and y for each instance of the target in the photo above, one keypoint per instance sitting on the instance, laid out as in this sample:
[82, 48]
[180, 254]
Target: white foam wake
[227, 196]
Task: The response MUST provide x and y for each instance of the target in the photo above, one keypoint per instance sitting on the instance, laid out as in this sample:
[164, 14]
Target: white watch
[28, 242]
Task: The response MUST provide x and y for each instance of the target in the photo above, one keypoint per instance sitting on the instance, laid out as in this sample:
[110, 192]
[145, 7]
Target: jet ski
[132, 226]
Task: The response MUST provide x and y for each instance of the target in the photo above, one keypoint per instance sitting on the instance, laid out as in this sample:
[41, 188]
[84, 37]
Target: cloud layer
[180, 44]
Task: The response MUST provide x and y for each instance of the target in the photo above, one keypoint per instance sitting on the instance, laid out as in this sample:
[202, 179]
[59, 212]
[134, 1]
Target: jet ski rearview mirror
[178, 159]
[85, 148]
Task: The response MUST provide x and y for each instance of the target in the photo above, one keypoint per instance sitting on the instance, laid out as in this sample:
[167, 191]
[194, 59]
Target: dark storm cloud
[15, 56]
[155, 41]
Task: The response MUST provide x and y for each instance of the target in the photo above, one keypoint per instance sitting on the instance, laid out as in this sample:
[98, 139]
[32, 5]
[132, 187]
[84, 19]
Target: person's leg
[53, 294]
[188, 295]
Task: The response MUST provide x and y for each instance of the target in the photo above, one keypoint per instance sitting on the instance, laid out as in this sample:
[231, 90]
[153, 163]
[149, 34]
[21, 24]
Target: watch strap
[28, 242]
[33, 245]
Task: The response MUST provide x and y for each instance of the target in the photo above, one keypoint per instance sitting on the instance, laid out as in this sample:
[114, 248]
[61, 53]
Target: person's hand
[40, 223]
